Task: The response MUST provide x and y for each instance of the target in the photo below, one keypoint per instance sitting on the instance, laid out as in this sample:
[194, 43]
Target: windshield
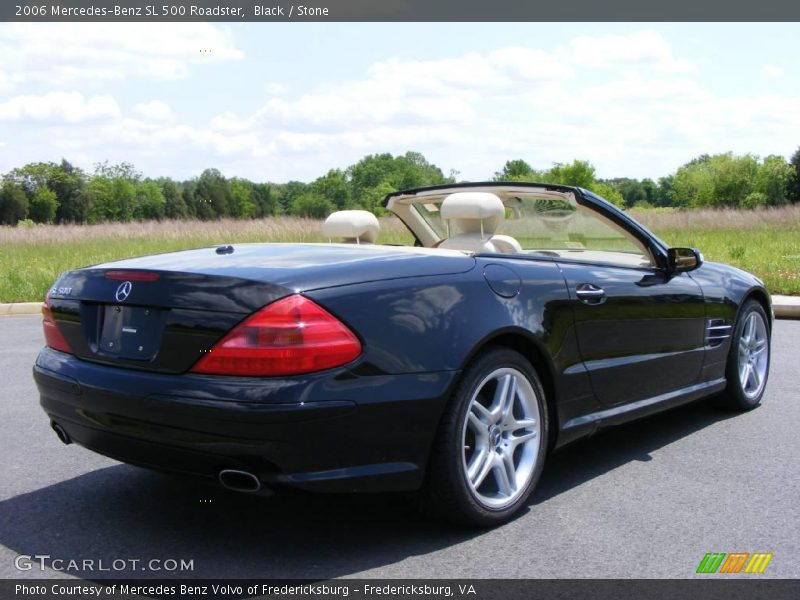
[545, 224]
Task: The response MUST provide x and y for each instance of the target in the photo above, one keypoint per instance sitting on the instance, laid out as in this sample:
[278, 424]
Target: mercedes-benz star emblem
[123, 291]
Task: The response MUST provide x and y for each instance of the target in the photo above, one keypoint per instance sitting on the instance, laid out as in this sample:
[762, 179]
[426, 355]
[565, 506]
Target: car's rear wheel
[748, 361]
[491, 443]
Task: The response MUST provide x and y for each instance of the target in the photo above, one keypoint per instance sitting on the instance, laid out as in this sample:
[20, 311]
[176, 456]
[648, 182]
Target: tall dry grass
[765, 242]
[273, 229]
[783, 217]
[32, 258]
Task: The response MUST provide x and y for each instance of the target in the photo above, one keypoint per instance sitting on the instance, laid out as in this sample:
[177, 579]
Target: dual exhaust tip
[239, 481]
[232, 479]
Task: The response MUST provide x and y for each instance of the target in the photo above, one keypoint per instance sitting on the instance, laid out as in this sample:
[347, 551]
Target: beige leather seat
[475, 216]
[355, 226]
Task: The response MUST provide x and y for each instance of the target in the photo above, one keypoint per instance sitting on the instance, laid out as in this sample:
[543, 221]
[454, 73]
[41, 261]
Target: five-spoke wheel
[748, 361]
[501, 437]
[753, 355]
[491, 444]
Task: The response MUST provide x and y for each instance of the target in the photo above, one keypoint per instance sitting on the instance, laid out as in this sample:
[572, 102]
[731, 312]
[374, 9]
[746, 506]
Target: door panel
[640, 332]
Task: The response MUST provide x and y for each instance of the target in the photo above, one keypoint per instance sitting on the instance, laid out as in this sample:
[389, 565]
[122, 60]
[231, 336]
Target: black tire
[736, 397]
[447, 494]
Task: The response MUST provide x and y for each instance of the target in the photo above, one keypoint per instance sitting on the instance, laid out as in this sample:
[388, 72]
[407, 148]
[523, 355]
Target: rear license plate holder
[130, 332]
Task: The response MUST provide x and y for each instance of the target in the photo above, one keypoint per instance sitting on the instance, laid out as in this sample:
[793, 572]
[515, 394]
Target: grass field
[766, 243]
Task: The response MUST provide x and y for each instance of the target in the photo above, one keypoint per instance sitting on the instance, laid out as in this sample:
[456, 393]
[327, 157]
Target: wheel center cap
[494, 436]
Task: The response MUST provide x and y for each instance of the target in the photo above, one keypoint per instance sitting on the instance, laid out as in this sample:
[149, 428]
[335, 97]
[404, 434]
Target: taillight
[291, 336]
[52, 335]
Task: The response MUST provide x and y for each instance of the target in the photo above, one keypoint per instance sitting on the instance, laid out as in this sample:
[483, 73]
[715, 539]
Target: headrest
[359, 225]
[473, 211]
[472, 205]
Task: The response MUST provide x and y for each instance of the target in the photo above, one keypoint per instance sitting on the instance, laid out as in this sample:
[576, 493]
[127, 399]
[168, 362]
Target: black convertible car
[525, 316]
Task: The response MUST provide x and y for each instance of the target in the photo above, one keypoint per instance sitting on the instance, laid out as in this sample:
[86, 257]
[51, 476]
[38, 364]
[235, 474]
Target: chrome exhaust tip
[239, 481]
[61, 433]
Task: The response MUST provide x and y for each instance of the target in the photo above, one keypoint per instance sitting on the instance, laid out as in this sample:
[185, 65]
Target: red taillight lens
[52, 335]
[288, 337]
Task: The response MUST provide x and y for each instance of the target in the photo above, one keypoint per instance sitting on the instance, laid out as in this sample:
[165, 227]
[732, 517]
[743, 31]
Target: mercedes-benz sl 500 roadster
[524, 316]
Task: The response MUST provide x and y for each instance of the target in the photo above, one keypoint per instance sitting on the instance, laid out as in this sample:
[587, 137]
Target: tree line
[63, 193]
[708, 181]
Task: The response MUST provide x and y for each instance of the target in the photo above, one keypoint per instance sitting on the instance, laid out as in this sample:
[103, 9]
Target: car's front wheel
[748, 361]
[491, 443]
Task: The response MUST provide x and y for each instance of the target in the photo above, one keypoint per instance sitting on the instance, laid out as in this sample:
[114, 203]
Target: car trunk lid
[163, 312]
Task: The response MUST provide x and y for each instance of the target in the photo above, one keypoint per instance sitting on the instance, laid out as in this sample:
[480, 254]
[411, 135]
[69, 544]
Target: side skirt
[634, 410]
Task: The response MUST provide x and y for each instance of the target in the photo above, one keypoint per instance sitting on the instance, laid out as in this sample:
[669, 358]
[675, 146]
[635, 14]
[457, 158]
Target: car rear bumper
[333, 431]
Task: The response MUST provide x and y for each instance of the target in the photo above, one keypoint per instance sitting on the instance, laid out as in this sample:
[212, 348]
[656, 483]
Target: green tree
[243, 205]
[729, 180]
[67, 182]
[214, 191]
[174, 203]
[368, 174]
[287, 193]
[123, 170]
[313, 205]
[516, 170]
[666, 193]
[43, 205]
[651, 191]
[266, 200]
[414, 171]
[98, 196]
[113, 193]
[123, 196]
[149, 203]
[373, 197]
[633, 191]
[374, 176]
[580, 173]
[773, 180]
[793, 190]
[755, 200]
[609, 193]
[13, 203]
[198, 206]
[62, 179]
[334, 187]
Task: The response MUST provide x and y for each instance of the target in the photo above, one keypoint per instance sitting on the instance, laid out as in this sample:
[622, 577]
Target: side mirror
[680, 260]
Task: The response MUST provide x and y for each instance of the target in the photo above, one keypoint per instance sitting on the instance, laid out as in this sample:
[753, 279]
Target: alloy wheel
[753, 355]
[501, 437]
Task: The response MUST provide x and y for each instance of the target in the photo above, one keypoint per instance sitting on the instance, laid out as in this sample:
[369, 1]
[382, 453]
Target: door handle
[590, 294]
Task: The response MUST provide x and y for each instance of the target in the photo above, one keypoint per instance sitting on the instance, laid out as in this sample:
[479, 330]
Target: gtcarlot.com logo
[27, 562]
[735, 562]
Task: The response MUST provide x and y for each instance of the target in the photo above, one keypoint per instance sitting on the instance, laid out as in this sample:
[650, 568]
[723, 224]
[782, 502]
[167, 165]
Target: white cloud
[773, 71]
[61, 54]
[524, 101]
[406, 93]
[155, 109]
[647, 49]
[273, 88]
[630, 104]
[70, 107]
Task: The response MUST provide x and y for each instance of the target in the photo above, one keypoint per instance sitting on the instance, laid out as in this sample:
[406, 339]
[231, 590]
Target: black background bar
[401, 10]
[710, 587]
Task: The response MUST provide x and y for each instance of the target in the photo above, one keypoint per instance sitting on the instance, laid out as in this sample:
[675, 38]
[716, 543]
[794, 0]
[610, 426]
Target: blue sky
[274, 102]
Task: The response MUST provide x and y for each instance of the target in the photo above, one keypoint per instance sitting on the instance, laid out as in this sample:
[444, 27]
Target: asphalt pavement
[647, 499]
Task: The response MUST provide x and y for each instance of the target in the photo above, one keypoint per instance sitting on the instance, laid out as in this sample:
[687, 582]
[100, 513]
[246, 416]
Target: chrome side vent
[717, 331]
